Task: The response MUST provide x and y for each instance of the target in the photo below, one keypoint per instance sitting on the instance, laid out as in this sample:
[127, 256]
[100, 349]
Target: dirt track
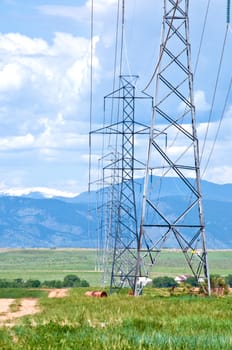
[27, 306]
[58, 293]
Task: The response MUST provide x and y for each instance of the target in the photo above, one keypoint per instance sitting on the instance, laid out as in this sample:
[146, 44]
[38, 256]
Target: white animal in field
[143, 281]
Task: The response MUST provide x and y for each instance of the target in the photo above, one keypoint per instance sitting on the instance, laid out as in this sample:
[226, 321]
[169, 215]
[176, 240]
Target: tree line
[167, 282]
[67, 282]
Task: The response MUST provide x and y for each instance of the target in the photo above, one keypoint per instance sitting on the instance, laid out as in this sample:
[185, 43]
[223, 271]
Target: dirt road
[26, 306]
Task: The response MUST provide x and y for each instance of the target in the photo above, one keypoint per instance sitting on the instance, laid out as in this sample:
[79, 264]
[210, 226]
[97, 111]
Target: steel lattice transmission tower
[119, 208]
[173, 152]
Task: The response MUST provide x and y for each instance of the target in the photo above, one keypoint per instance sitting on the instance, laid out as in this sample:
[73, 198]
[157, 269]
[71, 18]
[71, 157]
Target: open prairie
[159, 319]
[147, 322]
[49, 264]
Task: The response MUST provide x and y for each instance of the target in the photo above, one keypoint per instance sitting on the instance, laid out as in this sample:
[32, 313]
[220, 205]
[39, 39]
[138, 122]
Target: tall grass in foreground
[124, 322]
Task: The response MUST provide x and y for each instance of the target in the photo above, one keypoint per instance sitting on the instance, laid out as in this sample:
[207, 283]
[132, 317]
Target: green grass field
[18, 293]
[49, 264]
[123, 322]
[155, 320]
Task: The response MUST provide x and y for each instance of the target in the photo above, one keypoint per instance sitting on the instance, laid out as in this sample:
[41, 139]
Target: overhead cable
[115, 65]
[219, 125]
[91, 92]
[122, 35]
[162, 51]
[202, 36]
[214, 92]
[228, 12]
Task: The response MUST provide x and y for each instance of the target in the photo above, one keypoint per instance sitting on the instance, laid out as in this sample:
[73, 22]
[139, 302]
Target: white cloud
[16, 142]
[104, 15]
[81, 13]
[55, 75]
[200, 101]
[72, 12]
[57, 133]
[11, 77]
[221, 174]
[16, 44]
[42, 89]
[217, 151]
[45, 85]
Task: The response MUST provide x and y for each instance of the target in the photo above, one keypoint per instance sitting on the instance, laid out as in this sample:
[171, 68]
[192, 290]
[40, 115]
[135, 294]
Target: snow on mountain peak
[43, 191]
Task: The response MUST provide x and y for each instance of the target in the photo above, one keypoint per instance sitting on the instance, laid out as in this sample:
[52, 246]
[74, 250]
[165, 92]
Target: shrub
[51, 284]
[218, 285]
[84, 283]
[71, 281]
[4, 283]
[192, 281]
[163, 282]
[32, 283]
[228, 280]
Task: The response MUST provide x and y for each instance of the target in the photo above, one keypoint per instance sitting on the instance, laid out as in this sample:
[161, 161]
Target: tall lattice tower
[137, 226]
[174, 153]
[119, 207]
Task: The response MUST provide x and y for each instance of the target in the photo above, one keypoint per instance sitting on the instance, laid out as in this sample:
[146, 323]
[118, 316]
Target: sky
[45, 84]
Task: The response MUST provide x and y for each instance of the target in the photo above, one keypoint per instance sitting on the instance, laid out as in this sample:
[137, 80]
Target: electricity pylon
[120, 209]
[137, 227]
[173, 152]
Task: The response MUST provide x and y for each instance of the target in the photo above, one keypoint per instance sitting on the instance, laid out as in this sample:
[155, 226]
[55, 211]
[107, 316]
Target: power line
[214, 92]
[228, 12]
[202, 36]
[162, 49]
[219, 126]
[122, 36]
[91, 92]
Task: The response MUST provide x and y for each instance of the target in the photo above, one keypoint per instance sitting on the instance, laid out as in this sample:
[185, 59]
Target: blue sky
[45, 84]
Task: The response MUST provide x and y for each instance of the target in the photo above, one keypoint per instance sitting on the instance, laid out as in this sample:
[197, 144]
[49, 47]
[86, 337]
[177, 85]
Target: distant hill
[35, 221]
[29, 222]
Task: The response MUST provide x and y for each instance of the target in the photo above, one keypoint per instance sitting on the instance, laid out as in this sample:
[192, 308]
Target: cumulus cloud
[104, 13]
[45, 87]
[200, 101]
[72, 12]
[216, 160]
[17, 142]
[41, 81]
[18, 44]
[81, 13]
[44, 96]
[11, 77]
[56, 74]
[59, 135]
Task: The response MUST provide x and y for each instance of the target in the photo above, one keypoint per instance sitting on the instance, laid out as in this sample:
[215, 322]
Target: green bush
[163, 282]
[84, 283]
[71, 281]
[228, 280]
[74, 281]
[192, 281]
[218, 285]
[217, 281]
[32, 283]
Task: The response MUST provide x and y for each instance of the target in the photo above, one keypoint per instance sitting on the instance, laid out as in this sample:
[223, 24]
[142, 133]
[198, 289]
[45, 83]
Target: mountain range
[32, 220]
